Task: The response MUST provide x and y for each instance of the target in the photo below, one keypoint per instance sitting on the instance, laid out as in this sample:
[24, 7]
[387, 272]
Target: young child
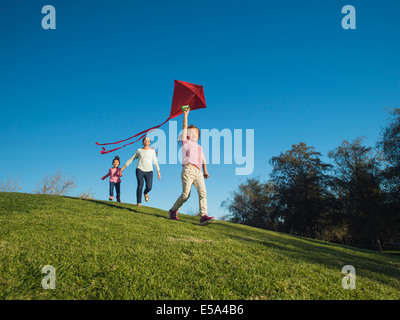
[192, 161]
[115, 179]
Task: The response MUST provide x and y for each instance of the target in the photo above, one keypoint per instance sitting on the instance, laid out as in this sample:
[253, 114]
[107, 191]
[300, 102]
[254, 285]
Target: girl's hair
[192, 126]
[116, 158]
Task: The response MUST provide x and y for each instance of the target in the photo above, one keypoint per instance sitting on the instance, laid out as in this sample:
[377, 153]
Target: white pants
[192, 176]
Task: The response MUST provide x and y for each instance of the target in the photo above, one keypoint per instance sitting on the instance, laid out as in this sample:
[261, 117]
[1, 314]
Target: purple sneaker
[173, 215]
[206, 220]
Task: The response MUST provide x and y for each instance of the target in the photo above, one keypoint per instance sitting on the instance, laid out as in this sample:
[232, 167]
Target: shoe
[173, 215]
[146, 197]
[110, 198]
[206, 220]
[118, 199]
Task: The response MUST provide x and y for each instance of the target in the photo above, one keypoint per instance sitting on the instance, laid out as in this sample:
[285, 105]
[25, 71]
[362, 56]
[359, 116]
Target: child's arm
[206, 175]
[135, 156]
[185, 122]
[107, 175]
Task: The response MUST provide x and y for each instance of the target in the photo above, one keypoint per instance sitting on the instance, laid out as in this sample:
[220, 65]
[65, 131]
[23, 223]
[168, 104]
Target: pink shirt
[192, 153]
[113, 173]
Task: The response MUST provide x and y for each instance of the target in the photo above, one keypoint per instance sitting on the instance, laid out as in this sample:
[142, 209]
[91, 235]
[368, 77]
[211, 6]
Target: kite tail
[143, 133]
[103, 151]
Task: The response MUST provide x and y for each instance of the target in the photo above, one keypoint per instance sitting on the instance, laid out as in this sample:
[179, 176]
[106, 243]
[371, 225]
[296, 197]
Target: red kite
[186, 95]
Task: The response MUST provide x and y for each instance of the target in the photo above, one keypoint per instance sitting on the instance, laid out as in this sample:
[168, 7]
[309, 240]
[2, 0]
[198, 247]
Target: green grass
[104, 250]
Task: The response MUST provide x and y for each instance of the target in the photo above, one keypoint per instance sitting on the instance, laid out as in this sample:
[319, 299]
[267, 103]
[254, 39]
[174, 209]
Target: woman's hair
[116, 158]
[192, 126]
[150, 141]
[146, 137]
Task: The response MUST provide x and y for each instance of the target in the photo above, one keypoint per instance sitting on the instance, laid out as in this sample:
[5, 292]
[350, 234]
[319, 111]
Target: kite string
[103, 151]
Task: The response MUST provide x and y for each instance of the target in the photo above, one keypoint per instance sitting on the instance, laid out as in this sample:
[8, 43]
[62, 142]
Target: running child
[115, 179]
[193, 161]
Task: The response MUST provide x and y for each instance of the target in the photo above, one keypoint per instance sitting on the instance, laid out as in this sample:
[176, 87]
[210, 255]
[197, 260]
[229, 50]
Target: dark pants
[146, 176]
[117, 188]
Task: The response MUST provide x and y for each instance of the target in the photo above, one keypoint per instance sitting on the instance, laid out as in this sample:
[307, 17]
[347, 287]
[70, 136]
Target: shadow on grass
[369, 264]
[142, 211]
[115, 206]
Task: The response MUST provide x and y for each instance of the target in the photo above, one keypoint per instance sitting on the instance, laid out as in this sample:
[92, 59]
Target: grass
[104, 250]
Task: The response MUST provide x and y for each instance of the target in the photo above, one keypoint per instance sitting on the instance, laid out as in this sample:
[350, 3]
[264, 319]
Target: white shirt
[146, 160]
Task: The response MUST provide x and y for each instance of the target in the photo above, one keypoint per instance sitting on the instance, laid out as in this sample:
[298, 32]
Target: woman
[144, 170]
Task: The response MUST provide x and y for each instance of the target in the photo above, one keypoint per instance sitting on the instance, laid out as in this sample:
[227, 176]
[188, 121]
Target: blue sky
[286, 69]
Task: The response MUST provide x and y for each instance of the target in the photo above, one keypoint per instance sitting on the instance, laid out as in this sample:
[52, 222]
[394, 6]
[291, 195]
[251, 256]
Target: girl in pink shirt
[115, 179]
[192, 161]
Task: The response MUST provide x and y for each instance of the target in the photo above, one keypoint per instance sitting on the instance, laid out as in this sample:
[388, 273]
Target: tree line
[57, 184]
[354, 199]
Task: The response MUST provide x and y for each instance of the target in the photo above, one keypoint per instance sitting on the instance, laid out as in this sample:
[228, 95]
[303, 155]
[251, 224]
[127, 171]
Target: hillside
[104, 250]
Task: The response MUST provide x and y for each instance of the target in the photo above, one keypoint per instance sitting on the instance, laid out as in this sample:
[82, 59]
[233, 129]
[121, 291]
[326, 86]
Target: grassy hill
[104, 250]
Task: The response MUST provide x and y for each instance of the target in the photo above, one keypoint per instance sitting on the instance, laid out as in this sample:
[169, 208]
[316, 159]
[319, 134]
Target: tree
[89, 195]
[10, 185]
[389, 146]
[56, 184]
[299, 177]
[358, 187]
[252, 205]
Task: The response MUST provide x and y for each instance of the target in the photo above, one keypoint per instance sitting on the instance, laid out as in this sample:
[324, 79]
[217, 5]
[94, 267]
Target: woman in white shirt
[144, 169]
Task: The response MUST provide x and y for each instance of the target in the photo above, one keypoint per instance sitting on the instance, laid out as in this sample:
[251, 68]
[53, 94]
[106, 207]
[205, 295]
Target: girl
[144, 170]
[192, 161]
[115, 180]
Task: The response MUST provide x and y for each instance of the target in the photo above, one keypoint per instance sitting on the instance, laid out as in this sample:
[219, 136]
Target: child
[144, 171]
[115, 180]
[192, 161]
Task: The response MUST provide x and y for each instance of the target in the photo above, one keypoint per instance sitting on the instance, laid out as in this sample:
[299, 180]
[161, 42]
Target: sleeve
[156, 162]
[135, 156]
[108, 174]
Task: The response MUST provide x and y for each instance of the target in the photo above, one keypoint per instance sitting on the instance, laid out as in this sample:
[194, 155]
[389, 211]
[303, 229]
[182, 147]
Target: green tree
[252, 205]
[389, 146]
[300, 179]
[358, 187]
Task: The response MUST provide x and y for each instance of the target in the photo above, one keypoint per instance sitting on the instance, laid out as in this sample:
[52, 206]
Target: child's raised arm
[185, 122]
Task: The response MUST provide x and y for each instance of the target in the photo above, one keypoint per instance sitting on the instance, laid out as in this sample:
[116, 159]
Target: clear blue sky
[286, 69]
